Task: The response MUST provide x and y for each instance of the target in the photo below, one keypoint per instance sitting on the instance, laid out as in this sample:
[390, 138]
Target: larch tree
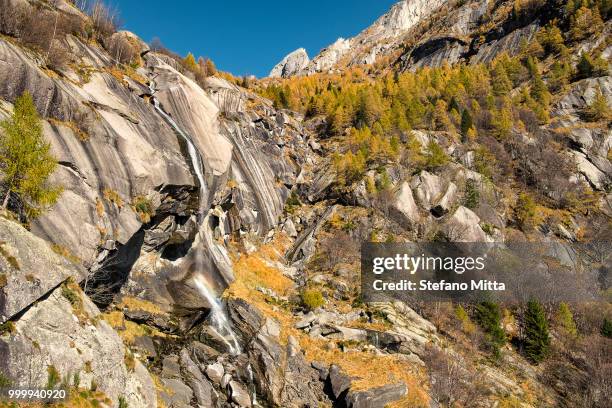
[26, 162]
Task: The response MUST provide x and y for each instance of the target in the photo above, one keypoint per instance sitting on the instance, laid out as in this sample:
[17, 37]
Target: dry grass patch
[132, 303]
[128, 330]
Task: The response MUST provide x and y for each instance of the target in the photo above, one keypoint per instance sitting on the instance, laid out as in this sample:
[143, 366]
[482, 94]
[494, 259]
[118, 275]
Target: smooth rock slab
[30, 268]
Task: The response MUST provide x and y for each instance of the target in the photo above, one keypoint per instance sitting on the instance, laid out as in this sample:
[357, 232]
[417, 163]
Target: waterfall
[218, 316]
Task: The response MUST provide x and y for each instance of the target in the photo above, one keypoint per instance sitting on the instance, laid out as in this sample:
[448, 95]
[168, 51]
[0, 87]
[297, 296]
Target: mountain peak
[402, 16]
[292, 64]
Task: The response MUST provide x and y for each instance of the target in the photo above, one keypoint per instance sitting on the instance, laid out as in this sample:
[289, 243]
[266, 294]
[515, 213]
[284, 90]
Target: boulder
[463, 226]
[376, 397]
[339, 381]
[202, 388]
[215, 372]
[445, 203]
[428, 188]
[405, 208]
[179, 395]
[240, 395]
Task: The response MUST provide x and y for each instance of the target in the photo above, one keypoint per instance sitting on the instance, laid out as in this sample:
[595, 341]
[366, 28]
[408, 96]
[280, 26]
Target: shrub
[5, 382]
[112, 196]
[121, 49]
[40, 29]
[312, 299]
[122, 402]
[53, 377]
[104, 20]
[435, 156]
[7, 327]
[537, 340]
[72, 296]
[144, 208]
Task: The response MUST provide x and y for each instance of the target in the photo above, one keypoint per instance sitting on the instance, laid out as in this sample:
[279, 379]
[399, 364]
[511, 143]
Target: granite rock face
[292, 64]
[29, 269]
[69, 336]
[123, 148]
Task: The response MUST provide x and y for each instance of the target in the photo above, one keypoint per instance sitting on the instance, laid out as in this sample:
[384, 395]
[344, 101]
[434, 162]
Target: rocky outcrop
[509, 43]
[376, 397]
[292, 64]
[29, 269]
[590, 144]
[405, 207]
[435, 53]
[63, 332]
[281, 374]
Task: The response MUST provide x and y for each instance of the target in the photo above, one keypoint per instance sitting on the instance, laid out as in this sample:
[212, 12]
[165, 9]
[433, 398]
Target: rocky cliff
[205, 249]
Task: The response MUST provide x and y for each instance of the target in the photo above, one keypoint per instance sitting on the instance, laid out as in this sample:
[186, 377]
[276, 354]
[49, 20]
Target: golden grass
[128, 330]
[132, 303]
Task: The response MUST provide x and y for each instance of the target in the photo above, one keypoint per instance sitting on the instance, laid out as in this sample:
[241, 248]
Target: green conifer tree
[26, 161]
[537, 339]
[488, 316]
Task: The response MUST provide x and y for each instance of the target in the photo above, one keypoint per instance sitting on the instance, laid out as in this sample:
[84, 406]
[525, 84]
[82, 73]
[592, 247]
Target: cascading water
[218, 316]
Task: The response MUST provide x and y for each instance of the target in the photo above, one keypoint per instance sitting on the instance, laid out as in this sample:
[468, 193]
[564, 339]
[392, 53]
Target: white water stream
[218, 316]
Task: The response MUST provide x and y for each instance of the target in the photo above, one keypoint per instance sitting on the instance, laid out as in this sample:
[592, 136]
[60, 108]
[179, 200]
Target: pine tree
[488, 316]
[501, 82]
[502, 121]
[537, 339]
[211, 69]
[584, 23]
[26, 161]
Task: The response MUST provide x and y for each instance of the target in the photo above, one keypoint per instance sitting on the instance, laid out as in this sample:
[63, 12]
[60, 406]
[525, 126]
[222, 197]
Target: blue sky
[248, 37]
